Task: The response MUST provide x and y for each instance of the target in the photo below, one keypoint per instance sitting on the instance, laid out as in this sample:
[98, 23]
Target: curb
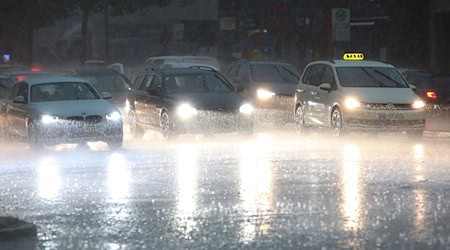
[13, 228]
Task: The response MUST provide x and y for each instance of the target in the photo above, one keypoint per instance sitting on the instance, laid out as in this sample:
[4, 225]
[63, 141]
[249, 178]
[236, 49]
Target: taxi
[355, 94]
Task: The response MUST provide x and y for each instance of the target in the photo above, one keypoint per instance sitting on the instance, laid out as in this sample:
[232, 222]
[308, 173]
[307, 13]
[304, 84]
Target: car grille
[388, 106]
[91, 119]
[369, 122]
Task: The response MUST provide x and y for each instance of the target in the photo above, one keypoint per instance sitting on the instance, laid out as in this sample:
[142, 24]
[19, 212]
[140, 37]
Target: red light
[35, 70]
[21, 78]
[431, 95]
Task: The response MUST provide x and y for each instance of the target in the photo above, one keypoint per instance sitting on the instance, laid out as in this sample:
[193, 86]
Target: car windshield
[370, 77]
[62, 91]
[106, 81]
[275, 73]
[196, 83]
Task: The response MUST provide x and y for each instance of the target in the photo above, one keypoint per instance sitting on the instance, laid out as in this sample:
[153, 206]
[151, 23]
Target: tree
[20, 18]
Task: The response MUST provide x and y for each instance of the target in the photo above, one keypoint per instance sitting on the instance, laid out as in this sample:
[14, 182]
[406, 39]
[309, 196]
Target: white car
[357, 95]
[52, 110]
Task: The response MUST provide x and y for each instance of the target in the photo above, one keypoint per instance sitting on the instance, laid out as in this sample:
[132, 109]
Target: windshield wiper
[373, 78]
[291, 72]
[398, 84]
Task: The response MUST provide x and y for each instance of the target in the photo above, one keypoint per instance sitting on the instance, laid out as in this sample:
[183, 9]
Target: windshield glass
[62, 91]
[370, 77]
[275, 73]
[196, 83]
[106, 81]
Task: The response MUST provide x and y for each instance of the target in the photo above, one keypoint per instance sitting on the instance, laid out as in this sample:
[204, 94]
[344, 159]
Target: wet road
[270, 191]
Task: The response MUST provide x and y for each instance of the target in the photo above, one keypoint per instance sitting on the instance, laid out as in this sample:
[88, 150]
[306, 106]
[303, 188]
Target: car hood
[382, 95]
[208, 100]
[278, 88]
[75, 107]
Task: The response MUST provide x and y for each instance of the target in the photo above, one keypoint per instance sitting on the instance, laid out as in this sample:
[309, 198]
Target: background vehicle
[106, 80]
[187, 101]
[434, 88]
[269, 85]
[357, 95]
[182, 62]
[12, 68]
[54, 110]
[5, 85]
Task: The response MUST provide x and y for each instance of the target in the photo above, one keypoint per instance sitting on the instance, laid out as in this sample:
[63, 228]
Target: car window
[13, 92]
[328, 76]
[6, 82]
[216, 84]
[138, 81]
[3, 91]
[146, 83]
[108, 81]
[23, 91]
[315, 75]
[274, 73]
[306, 75]
[232, 72]
[185, 83]
[243, 72]
[370, 77]
[61, 91]
[155, 83]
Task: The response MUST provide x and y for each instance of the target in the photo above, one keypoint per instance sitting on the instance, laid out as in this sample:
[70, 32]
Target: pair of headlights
[186, 111]
[352, 103]
[49, 119]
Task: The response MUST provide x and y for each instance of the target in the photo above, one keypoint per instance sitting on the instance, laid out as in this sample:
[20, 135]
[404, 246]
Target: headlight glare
[264, 94]
[186, 111]
[246, 109]
[48, 119]
[114, 116]
[419, 104]
[352, 103]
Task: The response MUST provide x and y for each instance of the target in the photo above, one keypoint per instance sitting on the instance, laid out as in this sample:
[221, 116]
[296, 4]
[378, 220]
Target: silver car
[53, 110]
[357, 95]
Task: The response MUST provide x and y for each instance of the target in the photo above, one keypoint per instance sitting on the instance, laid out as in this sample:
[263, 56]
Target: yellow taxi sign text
[353, 56]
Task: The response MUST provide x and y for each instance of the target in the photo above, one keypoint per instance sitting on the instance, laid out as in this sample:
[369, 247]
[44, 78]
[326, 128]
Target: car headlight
[264, 94]
[418, 104]
[352, 103]
[186, 111]
[246, 109]
[127, 106]
[48, 119]
[114, 116]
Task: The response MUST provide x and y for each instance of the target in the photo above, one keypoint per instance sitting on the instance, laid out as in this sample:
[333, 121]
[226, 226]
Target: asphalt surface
[275, 190]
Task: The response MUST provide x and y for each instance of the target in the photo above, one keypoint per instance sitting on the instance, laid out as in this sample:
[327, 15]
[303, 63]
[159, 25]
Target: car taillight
[431, 95]
[21, 78]
[35, 69]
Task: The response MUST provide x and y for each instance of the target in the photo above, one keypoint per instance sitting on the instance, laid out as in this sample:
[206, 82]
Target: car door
[17, 115]
[325, 97]
[154, 100]
[310, 94]
[243, 78]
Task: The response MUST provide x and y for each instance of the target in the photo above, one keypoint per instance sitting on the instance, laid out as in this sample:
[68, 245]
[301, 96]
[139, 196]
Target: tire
[34, 138]
[115, 143]
[166, 126]
[133, 128]
[415, 134]
[299, 120]
[336, 123]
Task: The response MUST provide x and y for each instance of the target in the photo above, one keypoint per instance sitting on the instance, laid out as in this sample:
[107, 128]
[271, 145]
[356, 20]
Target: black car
[434, 88]
[269, 85]
[177, 101]
[106, 80]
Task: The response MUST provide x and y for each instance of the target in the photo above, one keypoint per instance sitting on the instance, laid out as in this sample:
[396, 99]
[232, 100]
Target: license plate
[390, 116]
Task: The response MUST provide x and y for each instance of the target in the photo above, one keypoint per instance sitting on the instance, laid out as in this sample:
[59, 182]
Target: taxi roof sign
[353, 56]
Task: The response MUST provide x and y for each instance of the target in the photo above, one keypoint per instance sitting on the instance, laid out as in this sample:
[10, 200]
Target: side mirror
[157, 91]
[413, 87]
[325, 86]
[19, 99]
[106, 95]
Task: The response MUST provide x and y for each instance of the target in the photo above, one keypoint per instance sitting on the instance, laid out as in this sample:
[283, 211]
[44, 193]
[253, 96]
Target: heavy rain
[225, 124]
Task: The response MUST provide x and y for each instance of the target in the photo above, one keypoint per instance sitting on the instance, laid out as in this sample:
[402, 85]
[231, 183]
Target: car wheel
[115, 143]
[415, 134]
[336, 122]
[133, 127]
[34, 138]
[166, 126]
[299, 120]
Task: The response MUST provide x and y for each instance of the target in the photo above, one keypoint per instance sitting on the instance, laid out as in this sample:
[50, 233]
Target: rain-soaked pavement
[276, 190]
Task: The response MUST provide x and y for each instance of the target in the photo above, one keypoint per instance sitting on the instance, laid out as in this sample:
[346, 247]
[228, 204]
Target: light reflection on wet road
[270, 192]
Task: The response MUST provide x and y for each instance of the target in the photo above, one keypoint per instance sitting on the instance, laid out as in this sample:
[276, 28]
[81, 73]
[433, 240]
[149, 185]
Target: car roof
[365, 63]
[266, 62]
[52, 79]
[179, 71]
[95, 70]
